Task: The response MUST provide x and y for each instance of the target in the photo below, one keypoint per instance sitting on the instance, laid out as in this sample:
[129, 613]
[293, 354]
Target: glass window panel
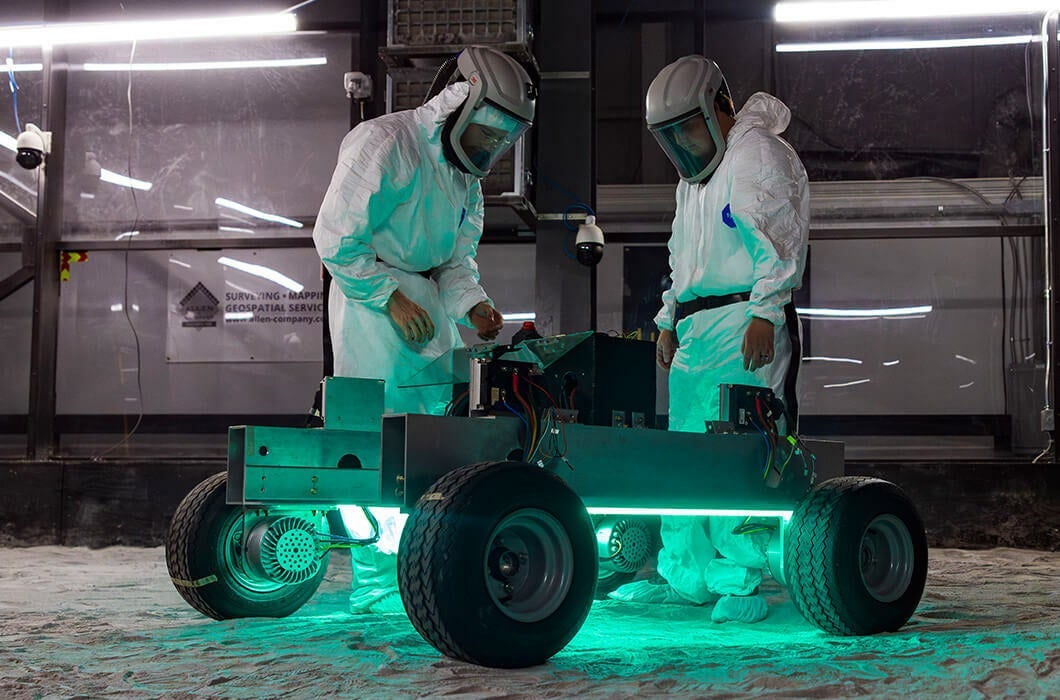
[98, 353]
[901, 326]
[20, 103]
[969, 111]
[16, 318]
[921, 331]
[230, 151]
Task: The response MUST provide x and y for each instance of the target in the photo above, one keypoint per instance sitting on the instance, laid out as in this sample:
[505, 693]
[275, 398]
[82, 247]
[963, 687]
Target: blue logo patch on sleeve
[726, 217]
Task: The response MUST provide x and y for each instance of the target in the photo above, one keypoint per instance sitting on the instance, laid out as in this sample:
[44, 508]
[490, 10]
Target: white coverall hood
[437, 109]
[764, 111]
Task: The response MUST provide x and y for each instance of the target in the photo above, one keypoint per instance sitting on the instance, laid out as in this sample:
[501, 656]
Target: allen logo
[199, 308]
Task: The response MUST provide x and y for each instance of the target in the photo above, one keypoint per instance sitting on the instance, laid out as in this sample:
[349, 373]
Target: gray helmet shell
[494, 78]
[687, 85]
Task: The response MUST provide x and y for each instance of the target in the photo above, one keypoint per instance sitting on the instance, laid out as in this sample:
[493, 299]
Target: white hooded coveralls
[744, 229]
[397, 208]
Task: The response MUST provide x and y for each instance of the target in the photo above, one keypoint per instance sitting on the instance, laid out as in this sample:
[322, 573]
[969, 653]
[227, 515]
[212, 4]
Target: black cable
[1004, 330]
[1028, 246]
[441, 78]
[125, 293]
[1026, 86]
[1024, 303]
[1014, 302]
[966, 188]
[1017, 300]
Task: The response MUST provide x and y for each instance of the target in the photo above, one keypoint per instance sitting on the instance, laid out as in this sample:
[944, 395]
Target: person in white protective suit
[737, 251]
[398, 230]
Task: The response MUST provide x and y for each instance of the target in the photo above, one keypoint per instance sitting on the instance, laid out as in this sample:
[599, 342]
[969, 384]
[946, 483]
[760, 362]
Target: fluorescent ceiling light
[179, 262]
[839, 386]
[891, 363]
[904, 44]
[127, 234]
[11, 67]
[110, 32]
[208, 65]
[235, 229]
[817, 358]
[867, 313]
[244, 209]
[901, 9]
[519, 317]
[262, 271]
[116, 179]
[8, 141]
[605, 510]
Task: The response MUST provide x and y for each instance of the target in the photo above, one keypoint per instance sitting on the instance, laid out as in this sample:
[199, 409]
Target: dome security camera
[589, 245]
[31, 146]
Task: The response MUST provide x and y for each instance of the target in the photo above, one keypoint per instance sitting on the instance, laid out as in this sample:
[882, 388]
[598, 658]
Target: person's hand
[758, 344]
[665, 347]
[486, 320]
[411, 318]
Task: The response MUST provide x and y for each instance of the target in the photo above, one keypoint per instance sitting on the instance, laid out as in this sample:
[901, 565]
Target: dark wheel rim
[887, 558]
[234, 558]
[529, 563]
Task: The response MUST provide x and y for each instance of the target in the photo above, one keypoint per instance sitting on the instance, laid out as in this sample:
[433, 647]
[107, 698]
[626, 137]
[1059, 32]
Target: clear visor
[688, 144]
[489, 134]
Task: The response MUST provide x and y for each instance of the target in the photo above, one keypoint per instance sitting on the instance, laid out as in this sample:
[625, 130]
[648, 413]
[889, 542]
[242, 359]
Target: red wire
[543, 391]
[531, 417]
[771, 429]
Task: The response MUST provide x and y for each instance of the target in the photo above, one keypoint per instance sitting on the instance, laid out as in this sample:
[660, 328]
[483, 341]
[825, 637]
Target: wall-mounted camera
[589, 244]
[31, 146]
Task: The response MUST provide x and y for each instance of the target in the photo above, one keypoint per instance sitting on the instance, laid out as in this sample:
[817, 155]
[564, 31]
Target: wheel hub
[529, 565]
[886, 558]
[504, 564]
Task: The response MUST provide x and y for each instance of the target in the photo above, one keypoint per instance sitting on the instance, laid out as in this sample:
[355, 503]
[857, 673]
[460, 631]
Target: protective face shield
[680, 115]
[488, 135]
[498, 110]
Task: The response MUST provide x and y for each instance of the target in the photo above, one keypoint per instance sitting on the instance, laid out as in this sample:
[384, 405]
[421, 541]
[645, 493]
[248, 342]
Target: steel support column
[40, 431]
[565, 143]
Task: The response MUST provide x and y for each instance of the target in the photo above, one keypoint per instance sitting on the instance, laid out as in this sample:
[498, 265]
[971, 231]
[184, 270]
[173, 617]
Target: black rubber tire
[855, 556]
[204, 576]
[444, 576]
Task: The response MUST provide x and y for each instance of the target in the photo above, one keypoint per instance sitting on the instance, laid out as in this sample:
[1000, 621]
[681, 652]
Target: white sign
[245, 306]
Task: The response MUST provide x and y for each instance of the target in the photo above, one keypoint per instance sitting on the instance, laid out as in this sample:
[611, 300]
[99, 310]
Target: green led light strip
[736, 512]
